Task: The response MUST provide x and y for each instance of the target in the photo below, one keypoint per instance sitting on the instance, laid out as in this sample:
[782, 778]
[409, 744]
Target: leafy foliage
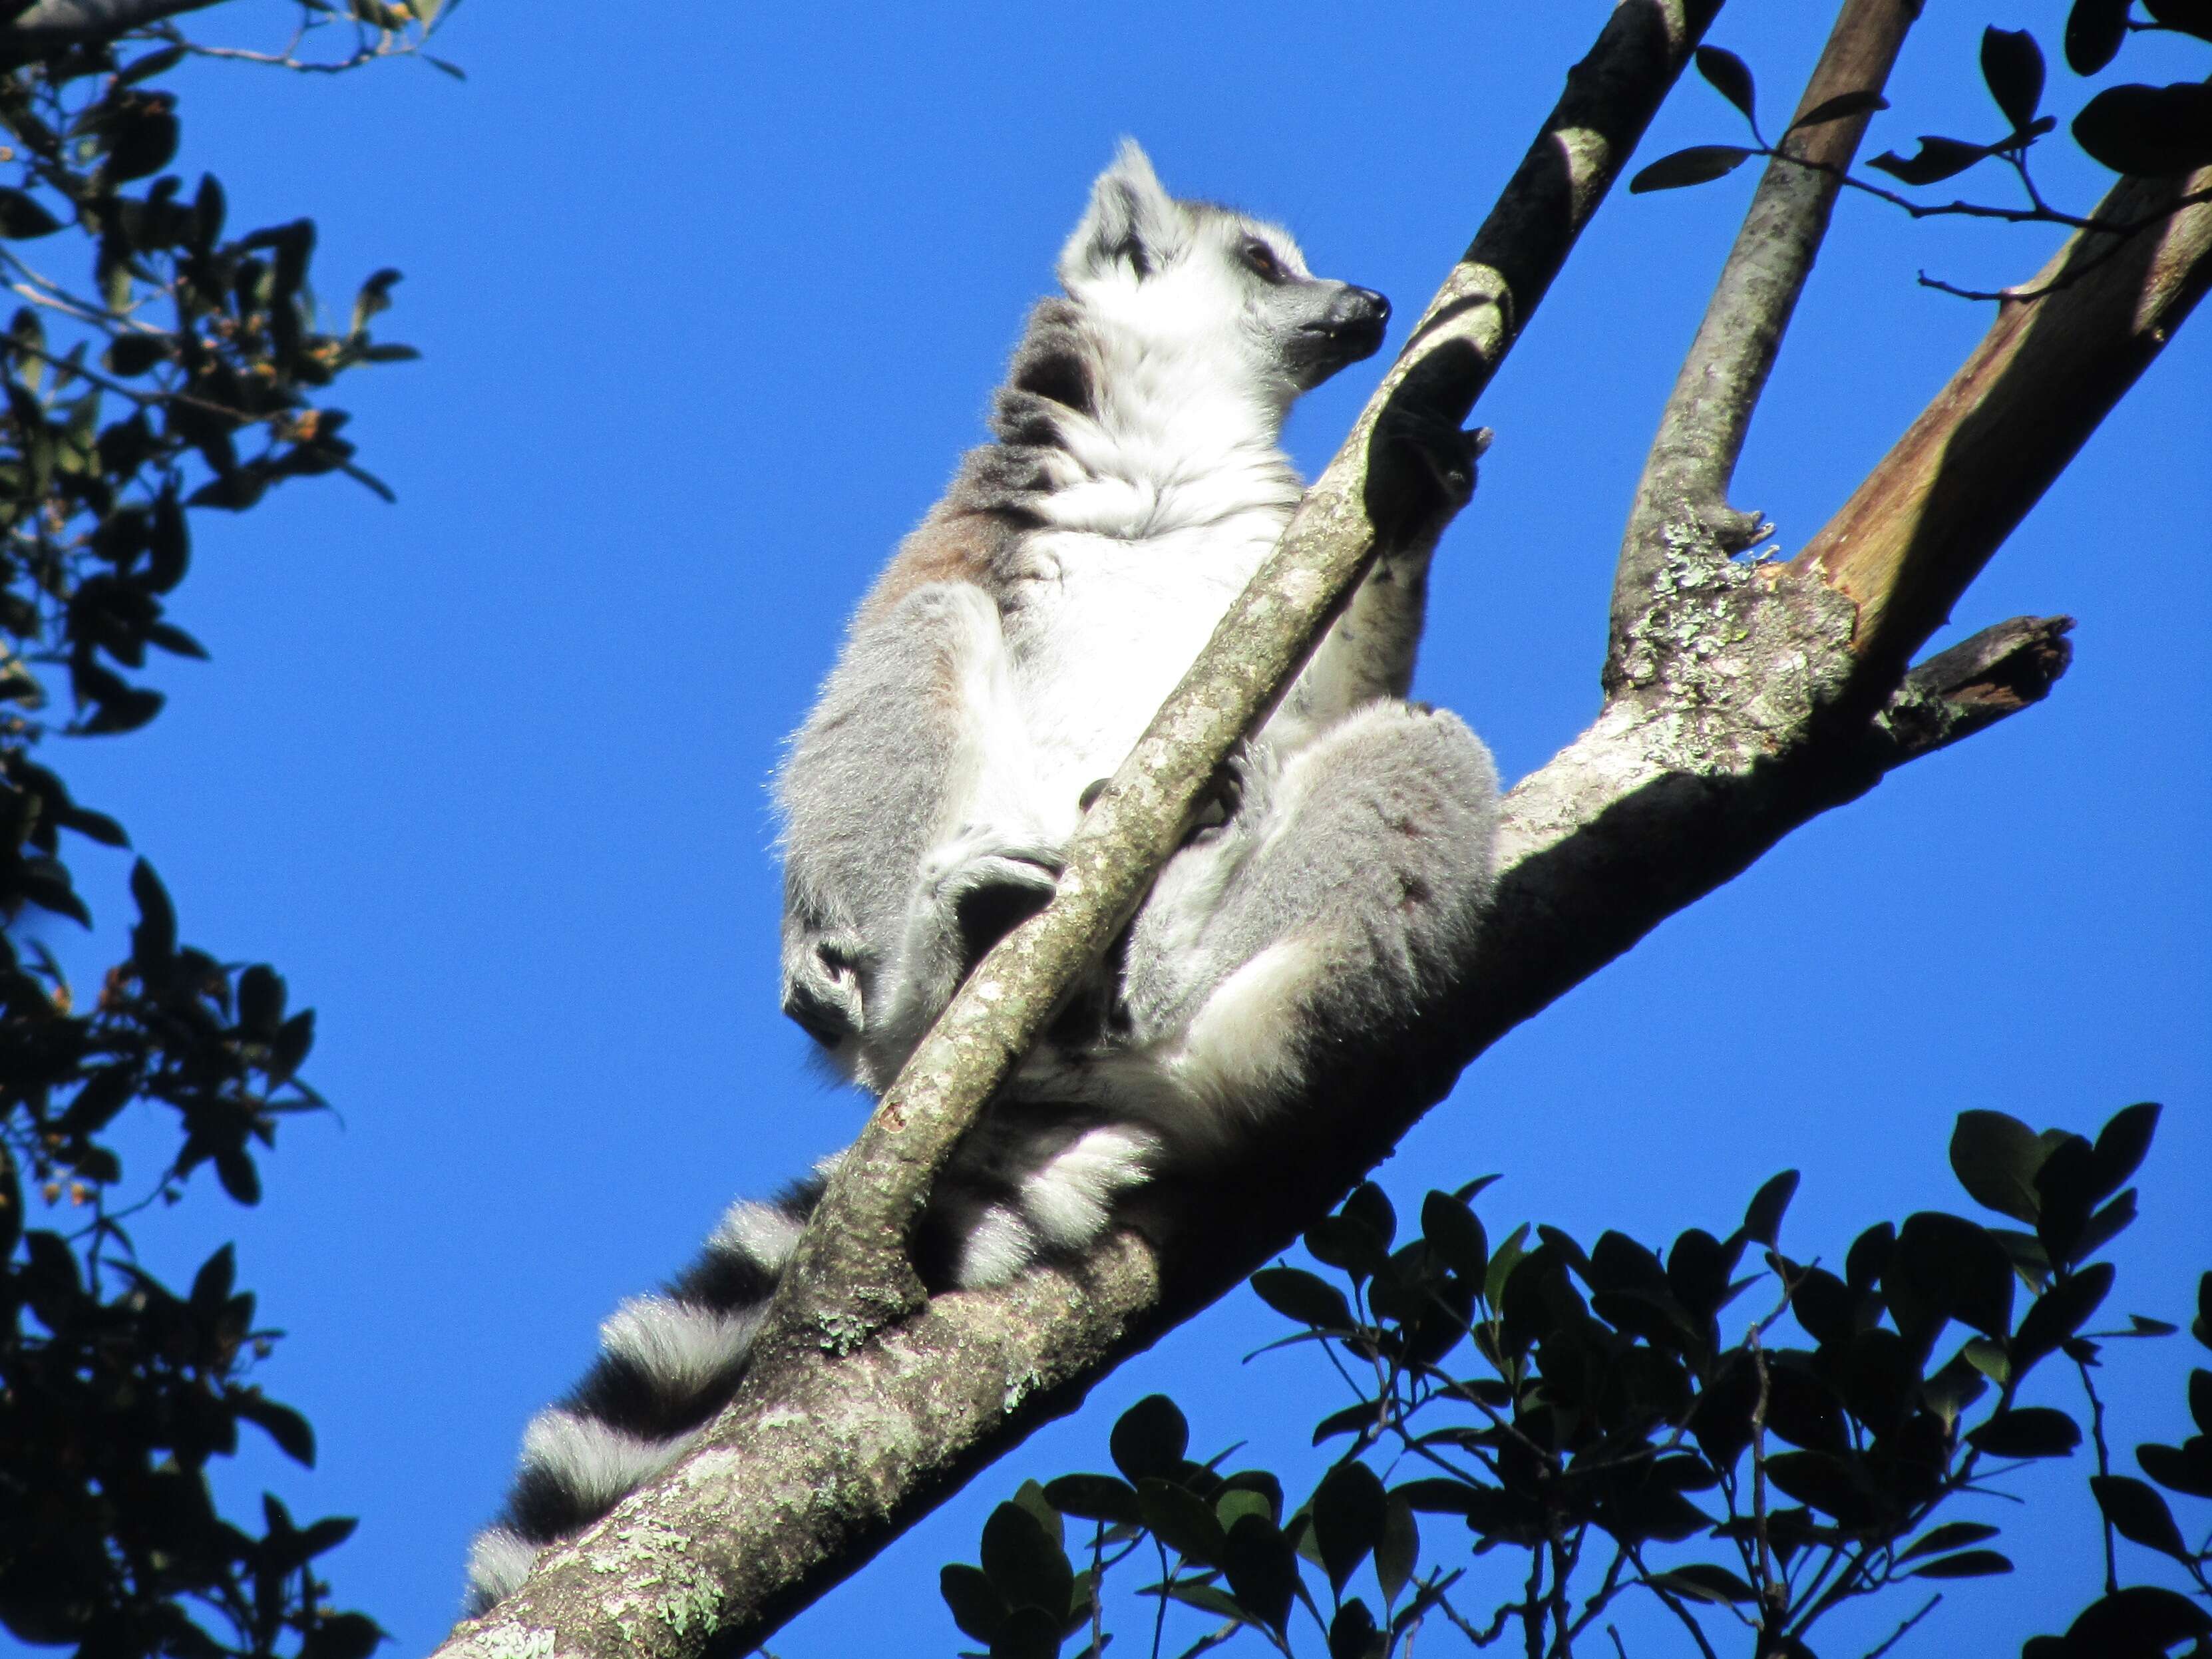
[184, 373]
[1584, 1412]
[2150, 131]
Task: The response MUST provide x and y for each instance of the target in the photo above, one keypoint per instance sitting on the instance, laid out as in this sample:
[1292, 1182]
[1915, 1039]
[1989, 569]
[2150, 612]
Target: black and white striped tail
[666, 1364]
[1021, 1190]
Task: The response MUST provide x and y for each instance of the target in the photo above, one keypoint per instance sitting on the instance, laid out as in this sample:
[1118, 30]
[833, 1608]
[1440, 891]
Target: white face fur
[1213, 289]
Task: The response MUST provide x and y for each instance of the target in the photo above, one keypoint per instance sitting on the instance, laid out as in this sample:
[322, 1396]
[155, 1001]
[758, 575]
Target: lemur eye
[1263, 260]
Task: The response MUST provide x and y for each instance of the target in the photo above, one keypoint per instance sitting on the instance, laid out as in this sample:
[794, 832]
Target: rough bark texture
[1745, 702]
[1682, 497]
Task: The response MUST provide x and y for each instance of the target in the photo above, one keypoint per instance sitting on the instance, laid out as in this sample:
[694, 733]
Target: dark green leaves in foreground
[1610, 1411]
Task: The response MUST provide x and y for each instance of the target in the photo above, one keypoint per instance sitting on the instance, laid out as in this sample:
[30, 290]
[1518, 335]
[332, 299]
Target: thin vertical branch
[1681, 501]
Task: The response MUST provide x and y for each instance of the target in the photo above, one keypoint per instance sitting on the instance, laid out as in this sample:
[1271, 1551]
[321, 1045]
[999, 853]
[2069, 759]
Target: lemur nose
[1358, 311]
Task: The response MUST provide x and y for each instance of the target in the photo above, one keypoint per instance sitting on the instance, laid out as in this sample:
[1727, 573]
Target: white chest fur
[1103, 629]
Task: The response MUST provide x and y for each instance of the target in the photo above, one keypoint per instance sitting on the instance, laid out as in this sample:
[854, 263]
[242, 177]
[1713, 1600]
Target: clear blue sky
[710, 300]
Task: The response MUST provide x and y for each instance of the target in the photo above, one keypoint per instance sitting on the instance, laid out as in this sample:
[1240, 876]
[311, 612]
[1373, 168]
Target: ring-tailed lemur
[1008, 658]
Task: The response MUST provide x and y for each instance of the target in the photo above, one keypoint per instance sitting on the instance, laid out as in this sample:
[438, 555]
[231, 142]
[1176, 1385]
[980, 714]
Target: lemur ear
[1131, 222]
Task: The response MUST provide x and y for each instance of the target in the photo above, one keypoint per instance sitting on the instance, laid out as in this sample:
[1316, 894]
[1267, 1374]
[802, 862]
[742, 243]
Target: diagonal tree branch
[1928, 517]
[1682, 497]
[1747, 710]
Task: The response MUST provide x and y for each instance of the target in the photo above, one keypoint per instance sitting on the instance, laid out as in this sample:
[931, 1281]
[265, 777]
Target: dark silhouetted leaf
[1455, 1233]
[1351, 1633]
[2141, 1620]
[2028, 1431]
[1946, 1267]
[2101, 1228]
[1347, 1246]
[1729, 76]
[1868, 1259]
[211, 1285]
[1093, 1498]
[2184, 1468]
[1824, 1482]
[1398, 1551]
[1351, 1421]
[1843, 105]
[1262, 1571]
[1438, 1496]
[280, 1423]
[1150, 1439]
[1995, 1157]
[2095, 30]
[2121, 1144]
[154, 941]
[2152, 131]
[976, 1608]
[2012, 68]
[1703, 1582]
[1030, 1633]
[1370, 1206]
[1507, 1256]
[1025, 1564]
[1699, 164]
[1306, 1298]
[23, 217]
[2137, 1512]
[1183, 1521]
[2189, 16]
[2058, 1313]
[1968, 1564]
[2200, 1398]
[1762, 1221]
[235, 1169]
[1936, 159]
[1951, 1536]
[1348, 1512]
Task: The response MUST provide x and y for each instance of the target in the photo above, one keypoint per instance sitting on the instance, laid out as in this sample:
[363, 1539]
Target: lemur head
[1192, 280]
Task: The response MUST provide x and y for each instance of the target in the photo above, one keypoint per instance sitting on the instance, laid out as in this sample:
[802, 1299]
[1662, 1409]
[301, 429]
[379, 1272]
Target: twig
[1674, 1605]
[2104, 1470]
[2072, 274]
[1898, 1635]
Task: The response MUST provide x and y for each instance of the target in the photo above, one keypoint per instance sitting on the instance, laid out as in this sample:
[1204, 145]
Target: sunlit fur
[1007, 659]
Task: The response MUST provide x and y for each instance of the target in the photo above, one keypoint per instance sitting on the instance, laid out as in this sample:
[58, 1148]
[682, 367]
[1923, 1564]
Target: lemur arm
[1421, 474]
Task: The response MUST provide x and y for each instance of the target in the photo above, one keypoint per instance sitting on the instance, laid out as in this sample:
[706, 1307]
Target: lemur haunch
[1009, 657]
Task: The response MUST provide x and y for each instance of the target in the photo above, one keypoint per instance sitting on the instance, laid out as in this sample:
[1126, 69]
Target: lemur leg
[903, 797]
[1339, 897]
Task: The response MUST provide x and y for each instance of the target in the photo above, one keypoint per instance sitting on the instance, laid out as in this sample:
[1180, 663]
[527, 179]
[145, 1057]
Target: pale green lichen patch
[1020, 1387]
[505, 1642]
